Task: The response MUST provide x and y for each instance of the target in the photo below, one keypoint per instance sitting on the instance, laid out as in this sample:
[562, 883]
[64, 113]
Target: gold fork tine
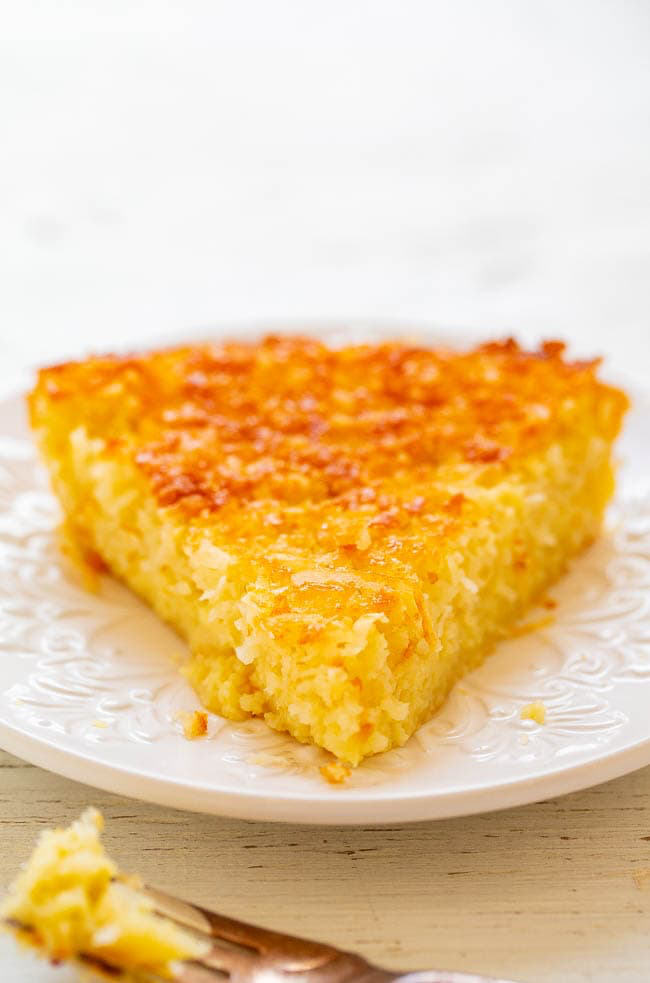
[198, 973]
[297, 954]
[261, 954]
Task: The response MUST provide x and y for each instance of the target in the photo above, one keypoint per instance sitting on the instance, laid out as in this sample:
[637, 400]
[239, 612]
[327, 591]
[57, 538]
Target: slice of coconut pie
[340, 534]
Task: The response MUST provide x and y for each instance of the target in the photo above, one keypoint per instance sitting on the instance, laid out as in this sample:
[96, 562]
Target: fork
[244, 953]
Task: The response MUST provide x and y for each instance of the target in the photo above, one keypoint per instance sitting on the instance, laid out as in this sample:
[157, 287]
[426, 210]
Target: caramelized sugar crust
[289, 420]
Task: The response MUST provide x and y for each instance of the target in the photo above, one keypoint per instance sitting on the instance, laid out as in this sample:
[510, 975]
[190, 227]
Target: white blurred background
[166, 167]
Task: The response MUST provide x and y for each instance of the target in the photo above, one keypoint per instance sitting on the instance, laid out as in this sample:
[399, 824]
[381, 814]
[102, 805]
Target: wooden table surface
[557, 891]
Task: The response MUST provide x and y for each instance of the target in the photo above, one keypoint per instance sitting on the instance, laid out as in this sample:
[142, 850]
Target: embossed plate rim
[390, 801]
[359, 809]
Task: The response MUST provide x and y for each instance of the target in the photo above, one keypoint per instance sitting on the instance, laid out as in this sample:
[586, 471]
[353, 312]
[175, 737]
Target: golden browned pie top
[265, 427]
[362, 460]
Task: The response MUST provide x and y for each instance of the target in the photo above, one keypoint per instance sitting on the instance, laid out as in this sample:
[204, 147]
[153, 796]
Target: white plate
[89, 688]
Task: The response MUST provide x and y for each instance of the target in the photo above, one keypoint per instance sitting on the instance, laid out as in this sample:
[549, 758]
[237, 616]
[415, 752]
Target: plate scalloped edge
[89, 686]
